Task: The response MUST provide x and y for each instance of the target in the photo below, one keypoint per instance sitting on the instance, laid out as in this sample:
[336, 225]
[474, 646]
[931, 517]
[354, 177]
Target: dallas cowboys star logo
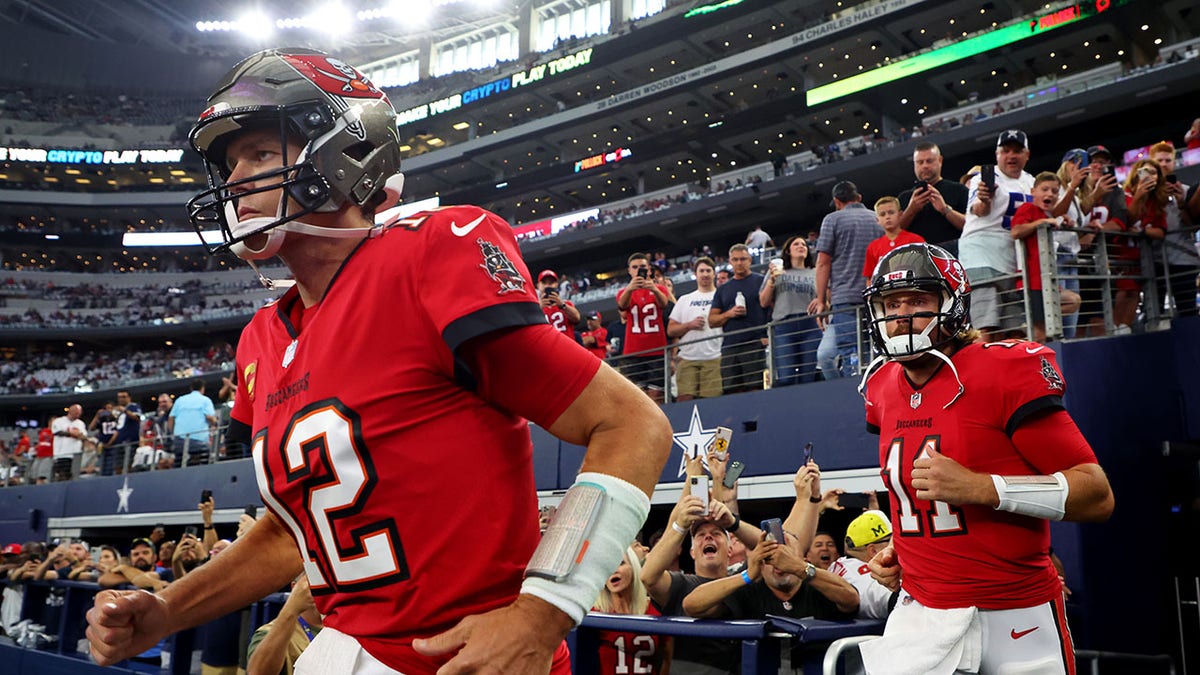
[694, 441]
[124, 493]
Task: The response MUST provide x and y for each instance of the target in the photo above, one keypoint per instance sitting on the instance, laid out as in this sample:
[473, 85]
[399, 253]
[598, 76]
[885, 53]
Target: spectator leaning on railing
[698, 373]
[986, 247]
[69, 433]
[1179, 244]
[190, 422]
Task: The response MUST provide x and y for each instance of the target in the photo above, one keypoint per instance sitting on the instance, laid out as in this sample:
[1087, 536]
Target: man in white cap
[985, 248]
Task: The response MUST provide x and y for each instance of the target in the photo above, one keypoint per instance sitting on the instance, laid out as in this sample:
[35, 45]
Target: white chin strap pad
[274, 237]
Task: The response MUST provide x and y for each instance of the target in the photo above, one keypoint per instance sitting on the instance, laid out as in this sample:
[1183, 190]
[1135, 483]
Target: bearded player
[979, 455]
[388, 415]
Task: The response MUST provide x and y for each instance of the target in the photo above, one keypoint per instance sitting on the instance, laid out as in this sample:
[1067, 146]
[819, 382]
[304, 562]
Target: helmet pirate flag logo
[334, 76]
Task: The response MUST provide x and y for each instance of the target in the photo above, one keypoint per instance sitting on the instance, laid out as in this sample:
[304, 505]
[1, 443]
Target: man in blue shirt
[735, 307]
[191, 418]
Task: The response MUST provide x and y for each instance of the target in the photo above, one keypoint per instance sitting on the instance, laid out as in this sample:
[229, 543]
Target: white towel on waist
[922, 641]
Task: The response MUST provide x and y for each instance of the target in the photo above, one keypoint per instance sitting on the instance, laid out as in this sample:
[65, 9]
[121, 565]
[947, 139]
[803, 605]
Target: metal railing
[1124, 278]
[152, 452]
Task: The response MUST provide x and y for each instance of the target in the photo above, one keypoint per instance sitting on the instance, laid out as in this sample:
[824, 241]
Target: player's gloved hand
[122, 624]
[885, 568]
[519, 638]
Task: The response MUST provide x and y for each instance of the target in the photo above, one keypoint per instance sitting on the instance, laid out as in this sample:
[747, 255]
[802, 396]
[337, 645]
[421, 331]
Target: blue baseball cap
[1077, 155]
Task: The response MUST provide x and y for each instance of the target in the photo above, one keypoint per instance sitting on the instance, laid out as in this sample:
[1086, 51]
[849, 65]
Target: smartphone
[721, 442]
[987, 175]
[698, 487]
[643, 272]
[1109, 170]
[205, 496]
[919, 185]
[191, 529]
[854, 500]
[774, 529]
[548, 291]
[252, 511]
[808, 450]
[1145, 173]
[732, 473]
[1171, 178]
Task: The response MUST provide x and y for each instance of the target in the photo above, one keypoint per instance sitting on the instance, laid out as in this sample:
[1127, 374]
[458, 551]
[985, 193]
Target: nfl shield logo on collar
[915, 400]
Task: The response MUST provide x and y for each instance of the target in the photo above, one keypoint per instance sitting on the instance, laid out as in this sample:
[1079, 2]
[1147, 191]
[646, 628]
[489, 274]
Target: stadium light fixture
[331, 18]
[256, 25]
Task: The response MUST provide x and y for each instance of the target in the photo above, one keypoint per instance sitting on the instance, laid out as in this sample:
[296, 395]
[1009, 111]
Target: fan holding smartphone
[985, 248]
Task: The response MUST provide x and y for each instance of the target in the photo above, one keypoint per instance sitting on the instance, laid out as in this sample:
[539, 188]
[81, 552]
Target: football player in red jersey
[388, 417]
[979, 455]
[560, 313]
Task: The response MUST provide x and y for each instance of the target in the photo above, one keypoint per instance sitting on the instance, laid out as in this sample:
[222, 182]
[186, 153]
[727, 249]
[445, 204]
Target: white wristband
[1035, 496]
[624, 509]
[675, 526]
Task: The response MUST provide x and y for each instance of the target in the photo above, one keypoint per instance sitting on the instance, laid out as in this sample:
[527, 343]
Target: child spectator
[887, 214]
[1025, 222]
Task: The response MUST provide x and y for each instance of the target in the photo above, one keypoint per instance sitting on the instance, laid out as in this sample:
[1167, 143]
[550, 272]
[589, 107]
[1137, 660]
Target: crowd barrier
[57, 610]
[795, 350]
[157, 453]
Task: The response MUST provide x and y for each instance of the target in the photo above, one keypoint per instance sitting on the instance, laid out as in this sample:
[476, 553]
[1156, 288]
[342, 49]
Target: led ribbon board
[710, 8]
[80, 156]
[602, 159]
[958, 51]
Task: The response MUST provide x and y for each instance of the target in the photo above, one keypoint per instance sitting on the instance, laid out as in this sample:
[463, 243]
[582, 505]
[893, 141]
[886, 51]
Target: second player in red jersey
[978, 454]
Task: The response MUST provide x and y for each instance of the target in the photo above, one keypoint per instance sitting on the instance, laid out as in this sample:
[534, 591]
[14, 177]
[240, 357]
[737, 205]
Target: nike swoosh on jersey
[466, 229]
[1034, 350]
[1018, 635]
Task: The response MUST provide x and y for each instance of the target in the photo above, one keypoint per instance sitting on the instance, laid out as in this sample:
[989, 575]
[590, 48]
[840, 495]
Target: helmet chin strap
[909, 345]
[273, 238]
[273, 241]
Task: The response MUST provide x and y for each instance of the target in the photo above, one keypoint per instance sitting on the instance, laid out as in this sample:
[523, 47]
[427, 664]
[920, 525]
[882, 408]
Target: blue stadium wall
[1133, 396]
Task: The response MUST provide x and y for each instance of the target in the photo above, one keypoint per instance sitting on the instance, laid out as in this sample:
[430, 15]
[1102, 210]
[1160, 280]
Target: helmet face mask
[344, 126]
[918, 268]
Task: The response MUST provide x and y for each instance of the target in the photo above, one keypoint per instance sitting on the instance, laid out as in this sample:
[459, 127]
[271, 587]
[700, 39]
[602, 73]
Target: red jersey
[45, 444]
[557, 318]
[365, 429]
[646, 326]
[632, 653]
[601, 336]
[1152, 216]
[971, 555]
[1028, 213]
[882, 246]
[23, 446]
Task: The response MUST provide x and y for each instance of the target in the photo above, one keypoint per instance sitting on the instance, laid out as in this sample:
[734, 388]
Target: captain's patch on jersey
[1053, 379]
[248, 377]
[500, 268]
